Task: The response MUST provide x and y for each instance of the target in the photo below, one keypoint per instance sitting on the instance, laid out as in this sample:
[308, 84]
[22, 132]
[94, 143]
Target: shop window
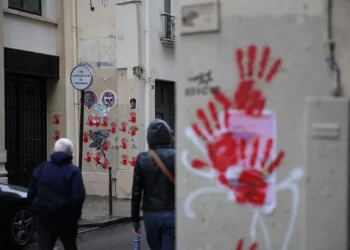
[30, 6]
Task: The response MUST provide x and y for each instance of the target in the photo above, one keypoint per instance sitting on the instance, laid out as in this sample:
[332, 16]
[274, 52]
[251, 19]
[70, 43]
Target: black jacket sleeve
[137, 188]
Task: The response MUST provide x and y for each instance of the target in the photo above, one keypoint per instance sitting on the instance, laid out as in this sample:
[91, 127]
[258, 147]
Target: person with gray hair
[56, 194]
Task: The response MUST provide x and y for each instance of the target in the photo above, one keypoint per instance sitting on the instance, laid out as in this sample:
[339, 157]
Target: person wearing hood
[56, 194]
[154, 181]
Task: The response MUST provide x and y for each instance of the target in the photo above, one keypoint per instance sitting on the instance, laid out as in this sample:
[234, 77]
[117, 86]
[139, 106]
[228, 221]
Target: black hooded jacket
[149, 180]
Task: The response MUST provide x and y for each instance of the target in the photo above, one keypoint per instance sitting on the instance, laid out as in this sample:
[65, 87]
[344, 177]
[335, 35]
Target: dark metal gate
[25, 126]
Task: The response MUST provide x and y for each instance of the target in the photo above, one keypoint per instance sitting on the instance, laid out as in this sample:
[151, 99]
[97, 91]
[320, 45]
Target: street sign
[81, 77]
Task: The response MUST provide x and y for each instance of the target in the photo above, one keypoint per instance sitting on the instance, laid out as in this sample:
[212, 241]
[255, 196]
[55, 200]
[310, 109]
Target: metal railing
[169, 27]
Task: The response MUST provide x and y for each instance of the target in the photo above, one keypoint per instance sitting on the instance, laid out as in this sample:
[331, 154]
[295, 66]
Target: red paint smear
[240, 245]
[243, 94]
[254, 246]
[198, 132]
[255, 152]
[263, 62]
[214, 114]
[202, 116]
[251, 59]
[220, 97]
[267, 152]
[277, 162]
[222, 179]
[239, 61]
[243, 145]
[273, 71]
[198, 164]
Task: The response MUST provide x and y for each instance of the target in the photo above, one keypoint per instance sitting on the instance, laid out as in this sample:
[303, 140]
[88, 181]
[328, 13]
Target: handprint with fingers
[106, 145]
[57, 135]
[247, 97]
[133, 130]
[133, 161]
[124, 143]
[124, 160]
[98, 121]
[56, 119]
[86, 137]
[90, 121]
[132, 117]
[88, 157]
[253, 246]
[105, 163]
[97, 157]
[123, 128]
[105, 121]
[114, 127]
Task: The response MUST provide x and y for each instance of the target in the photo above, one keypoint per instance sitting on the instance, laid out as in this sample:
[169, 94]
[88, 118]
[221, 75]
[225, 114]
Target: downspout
[75, 62]
[148, 78]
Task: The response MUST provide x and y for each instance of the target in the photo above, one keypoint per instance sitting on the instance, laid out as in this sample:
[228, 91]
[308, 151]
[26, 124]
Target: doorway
[25, 126]
[165, 102]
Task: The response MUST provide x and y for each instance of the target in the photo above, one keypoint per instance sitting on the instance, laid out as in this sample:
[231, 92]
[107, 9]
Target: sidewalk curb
[107, 223]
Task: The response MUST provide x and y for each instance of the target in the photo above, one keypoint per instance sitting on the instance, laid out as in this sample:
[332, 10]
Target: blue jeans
[160, 230]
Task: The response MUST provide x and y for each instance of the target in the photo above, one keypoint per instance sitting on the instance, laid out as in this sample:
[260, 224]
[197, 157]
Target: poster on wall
[255, 130]
[108, 99]
[132, 103]
[90, 99]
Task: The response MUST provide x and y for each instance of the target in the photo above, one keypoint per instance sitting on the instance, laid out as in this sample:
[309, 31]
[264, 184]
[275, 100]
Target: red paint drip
[198, 132]
[273, 71]
[202, 116]
[239, 61]
[267, 152]
[277, 162]
[251, 59]
[214, 114]
[255, 152]
[240, 245]
[223, 180]
[198, 164]
[254, 246]
[263, 62]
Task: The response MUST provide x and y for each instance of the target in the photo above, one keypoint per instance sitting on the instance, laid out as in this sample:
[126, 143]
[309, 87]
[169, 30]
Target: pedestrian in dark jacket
[57, 194]
[158, 204]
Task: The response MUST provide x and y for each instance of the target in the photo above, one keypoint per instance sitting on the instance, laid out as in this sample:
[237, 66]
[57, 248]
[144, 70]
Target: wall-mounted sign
[81, 77]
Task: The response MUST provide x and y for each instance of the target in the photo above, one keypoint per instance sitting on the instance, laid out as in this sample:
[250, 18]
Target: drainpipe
[75, 62]
[148, 77]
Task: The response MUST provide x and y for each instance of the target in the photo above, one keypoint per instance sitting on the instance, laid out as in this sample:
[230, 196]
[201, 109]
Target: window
[167, 6]
[30, 6]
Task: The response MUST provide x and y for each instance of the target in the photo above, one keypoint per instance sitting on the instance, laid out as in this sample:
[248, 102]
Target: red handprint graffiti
[133, 161]
[57, 135]
[124, 143]
[114, 127]
[56, 119]
[253, 246]
[246, 96]
[225, 152]
[106, 145]
[124, 160]
[105, 121]
[90, 121]
[97, 157]
[86, 137]
[88, 157]
[123, 124]
[98, 121]
[133, 130]
[105, 163]
[132, 117]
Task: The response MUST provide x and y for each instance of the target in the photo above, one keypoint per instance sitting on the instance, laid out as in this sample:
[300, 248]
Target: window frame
[27, 11]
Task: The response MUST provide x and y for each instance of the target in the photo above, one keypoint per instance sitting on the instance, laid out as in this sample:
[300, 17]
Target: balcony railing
[168, 38]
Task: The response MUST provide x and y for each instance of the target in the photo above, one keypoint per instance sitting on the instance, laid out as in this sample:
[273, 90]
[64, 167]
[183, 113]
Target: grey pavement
[113, 237]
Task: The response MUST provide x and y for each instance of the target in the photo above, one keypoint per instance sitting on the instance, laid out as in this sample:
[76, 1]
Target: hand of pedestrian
[136, 230]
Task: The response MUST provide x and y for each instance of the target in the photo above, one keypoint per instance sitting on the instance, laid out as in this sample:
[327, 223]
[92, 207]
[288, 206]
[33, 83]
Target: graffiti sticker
[90, 99]
[108, 99]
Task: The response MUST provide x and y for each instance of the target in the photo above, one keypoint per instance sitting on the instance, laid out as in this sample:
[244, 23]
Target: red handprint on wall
[124, 160]
[90, 121]
[98, 121]
[86, 137]
[226, 152]
[105, 163]
[57, 135]
[247, 97]
[133, 161]
[124, 143]
[123, 124]
[253, 246]
[133, 130]
[56, 119]
[114, 127]
[88, 157]
[132, 117]
[105, 121]
[97, 157]
[106, 145]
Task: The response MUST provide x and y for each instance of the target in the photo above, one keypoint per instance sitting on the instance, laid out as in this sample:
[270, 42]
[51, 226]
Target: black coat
[149, 180]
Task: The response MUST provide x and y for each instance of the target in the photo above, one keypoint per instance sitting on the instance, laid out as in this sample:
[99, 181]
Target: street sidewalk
[96, 212]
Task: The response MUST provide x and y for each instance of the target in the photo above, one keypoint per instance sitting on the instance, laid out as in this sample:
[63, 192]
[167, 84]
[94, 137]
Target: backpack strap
[162, 166]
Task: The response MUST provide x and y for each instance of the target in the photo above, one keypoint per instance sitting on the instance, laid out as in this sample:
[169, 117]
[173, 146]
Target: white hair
[63, 145]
